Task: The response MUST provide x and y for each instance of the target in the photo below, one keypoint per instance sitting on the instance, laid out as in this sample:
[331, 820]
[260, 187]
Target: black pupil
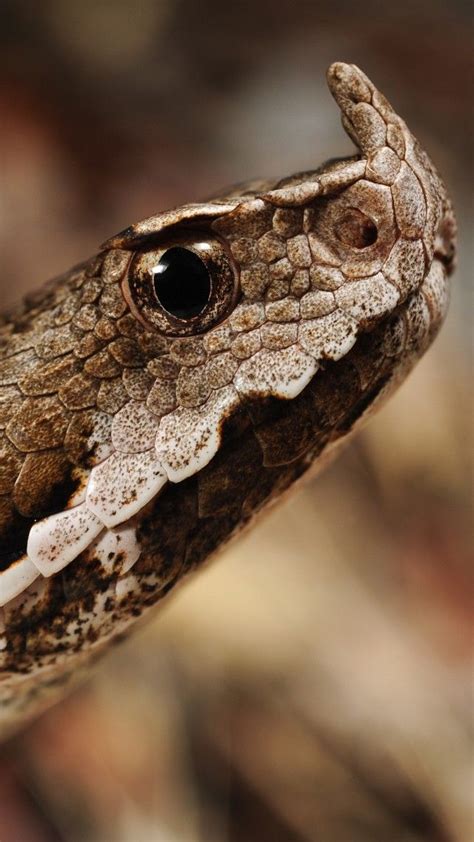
[182, 283]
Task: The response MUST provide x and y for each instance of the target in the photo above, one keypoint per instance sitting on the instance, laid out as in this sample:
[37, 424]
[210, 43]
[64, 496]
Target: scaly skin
[129, 456]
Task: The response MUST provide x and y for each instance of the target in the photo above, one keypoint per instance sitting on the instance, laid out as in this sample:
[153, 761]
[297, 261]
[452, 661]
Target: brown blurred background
[314, 685]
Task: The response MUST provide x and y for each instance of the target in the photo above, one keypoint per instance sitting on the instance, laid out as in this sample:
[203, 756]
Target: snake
[156, 398]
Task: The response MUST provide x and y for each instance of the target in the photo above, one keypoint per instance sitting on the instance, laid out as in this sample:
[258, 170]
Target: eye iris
[182, 283]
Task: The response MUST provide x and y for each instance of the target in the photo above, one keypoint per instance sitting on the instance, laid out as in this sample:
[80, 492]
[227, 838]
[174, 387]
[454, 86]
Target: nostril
[356, 229]
[445, 242]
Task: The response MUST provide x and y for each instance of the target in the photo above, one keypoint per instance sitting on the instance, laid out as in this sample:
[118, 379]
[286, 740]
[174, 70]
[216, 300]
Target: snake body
[139, 433]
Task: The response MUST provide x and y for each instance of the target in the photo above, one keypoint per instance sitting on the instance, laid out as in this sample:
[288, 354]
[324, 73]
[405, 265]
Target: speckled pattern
[128, 456]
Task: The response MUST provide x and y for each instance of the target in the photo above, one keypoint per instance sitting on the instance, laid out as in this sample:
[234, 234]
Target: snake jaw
[342, 285]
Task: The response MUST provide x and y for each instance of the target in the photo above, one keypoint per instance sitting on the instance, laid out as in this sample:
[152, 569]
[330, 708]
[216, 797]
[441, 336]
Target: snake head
[173, 385]
[298, 273]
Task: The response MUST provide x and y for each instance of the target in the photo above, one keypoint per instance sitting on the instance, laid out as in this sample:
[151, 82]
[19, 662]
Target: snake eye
[356, 229]
[184, 287]
[182, 282]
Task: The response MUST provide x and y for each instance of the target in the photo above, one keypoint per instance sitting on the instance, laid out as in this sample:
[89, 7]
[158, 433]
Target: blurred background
[313, 685]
